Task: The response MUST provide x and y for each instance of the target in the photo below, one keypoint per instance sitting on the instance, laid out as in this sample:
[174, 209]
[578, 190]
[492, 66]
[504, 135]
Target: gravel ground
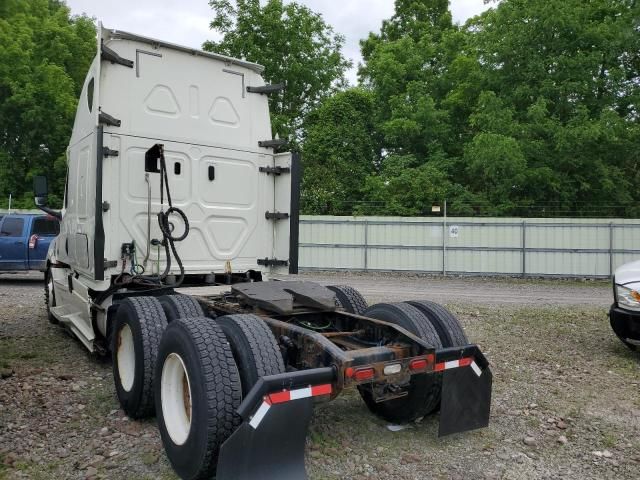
[566, 400]
[386, 287]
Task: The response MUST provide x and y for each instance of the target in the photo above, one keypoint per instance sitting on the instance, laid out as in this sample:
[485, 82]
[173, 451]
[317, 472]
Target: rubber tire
[254, 348]
[147, 321]
[424, 390]
[446, 324]
[349, 298]
[215, 394]
[180, 306]
[49, 301]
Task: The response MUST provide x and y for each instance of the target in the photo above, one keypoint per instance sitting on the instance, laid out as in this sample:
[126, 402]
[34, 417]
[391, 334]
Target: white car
[625, 311]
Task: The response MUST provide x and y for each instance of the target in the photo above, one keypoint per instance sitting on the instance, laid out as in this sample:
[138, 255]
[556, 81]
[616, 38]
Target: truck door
[43, 230]
[13, 246]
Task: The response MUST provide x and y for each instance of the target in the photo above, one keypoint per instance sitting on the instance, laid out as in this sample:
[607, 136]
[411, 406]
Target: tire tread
[152, 321]
[264, 350]
[449, 329]
[48, 301]
[181, 306]
[349, 298]
[221, 382]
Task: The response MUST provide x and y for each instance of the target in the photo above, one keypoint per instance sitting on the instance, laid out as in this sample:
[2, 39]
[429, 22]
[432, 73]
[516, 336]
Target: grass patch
[149, 458]
[609, 440]
[100, 400]
[163, 476]
[533, 422]
[35, 349]
[3, 468]
[27, 356]
[319, 439]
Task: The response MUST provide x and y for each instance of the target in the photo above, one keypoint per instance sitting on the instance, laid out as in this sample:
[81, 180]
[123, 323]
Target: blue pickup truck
[24, 241]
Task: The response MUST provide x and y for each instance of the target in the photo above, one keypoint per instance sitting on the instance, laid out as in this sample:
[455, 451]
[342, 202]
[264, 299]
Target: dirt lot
[387, 287]
[566, 395]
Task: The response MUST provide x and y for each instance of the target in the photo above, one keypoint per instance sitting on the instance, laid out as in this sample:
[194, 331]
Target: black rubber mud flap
[273, 450]
[466, 397]
[270, 442]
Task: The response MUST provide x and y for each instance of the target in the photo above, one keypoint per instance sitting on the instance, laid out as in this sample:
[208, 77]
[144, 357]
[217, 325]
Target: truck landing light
[392, 369]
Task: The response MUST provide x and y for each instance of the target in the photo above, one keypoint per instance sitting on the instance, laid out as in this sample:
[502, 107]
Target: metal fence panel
[483, 246]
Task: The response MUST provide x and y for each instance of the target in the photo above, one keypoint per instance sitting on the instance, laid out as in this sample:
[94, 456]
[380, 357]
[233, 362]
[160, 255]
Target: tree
[340, 151]
[44, 55]
[402, 188]
[403, 66]
[497, 168]
[532, 103]
[569, 72]
[296, 47]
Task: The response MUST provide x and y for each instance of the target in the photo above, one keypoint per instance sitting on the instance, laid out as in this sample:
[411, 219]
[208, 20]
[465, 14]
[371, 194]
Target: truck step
[77, 325]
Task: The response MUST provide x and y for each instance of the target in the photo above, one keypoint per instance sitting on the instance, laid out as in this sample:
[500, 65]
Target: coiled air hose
[168, 240]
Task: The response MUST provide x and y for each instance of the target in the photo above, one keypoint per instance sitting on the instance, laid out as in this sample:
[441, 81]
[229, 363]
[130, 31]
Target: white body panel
[196, 104]
[628, 274]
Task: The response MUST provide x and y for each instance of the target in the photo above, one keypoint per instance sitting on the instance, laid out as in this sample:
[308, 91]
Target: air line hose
[163, 221]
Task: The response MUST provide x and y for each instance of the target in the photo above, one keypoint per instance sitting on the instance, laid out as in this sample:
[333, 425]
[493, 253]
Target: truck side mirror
[40, 190]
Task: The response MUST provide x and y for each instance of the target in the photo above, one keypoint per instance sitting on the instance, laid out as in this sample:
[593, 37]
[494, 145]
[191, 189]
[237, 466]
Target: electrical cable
[163, 220]
[135, 280]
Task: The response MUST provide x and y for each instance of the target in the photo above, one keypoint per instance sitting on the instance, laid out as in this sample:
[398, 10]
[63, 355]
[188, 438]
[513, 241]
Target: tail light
[33, 241]
[421, 363]
[418, 364]
[364, 374]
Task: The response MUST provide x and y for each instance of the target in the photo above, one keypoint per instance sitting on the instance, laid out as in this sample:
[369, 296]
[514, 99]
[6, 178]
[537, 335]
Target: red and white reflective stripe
[287, 396]
[259, 415]
[463, 362]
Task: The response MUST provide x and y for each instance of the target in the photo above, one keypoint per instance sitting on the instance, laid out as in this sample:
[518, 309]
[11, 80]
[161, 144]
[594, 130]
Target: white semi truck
[177, 211]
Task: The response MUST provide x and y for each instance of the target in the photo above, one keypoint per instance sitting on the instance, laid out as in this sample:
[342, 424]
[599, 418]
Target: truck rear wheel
[446, 324]
[349, 298]
[180, 306]
[197, 392]
[254, 348]
[423, 392]
[49, 295]
[136, 334]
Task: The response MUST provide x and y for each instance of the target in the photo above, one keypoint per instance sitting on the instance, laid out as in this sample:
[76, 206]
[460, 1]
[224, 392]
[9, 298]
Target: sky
[186, 22]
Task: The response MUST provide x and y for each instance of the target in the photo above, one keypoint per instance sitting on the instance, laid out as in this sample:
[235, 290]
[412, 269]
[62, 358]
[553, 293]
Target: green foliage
[44, 55]
[529, 108]
[296, 47]
[533, 103]
[496, 166]
[339, 152]
[401, 188]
